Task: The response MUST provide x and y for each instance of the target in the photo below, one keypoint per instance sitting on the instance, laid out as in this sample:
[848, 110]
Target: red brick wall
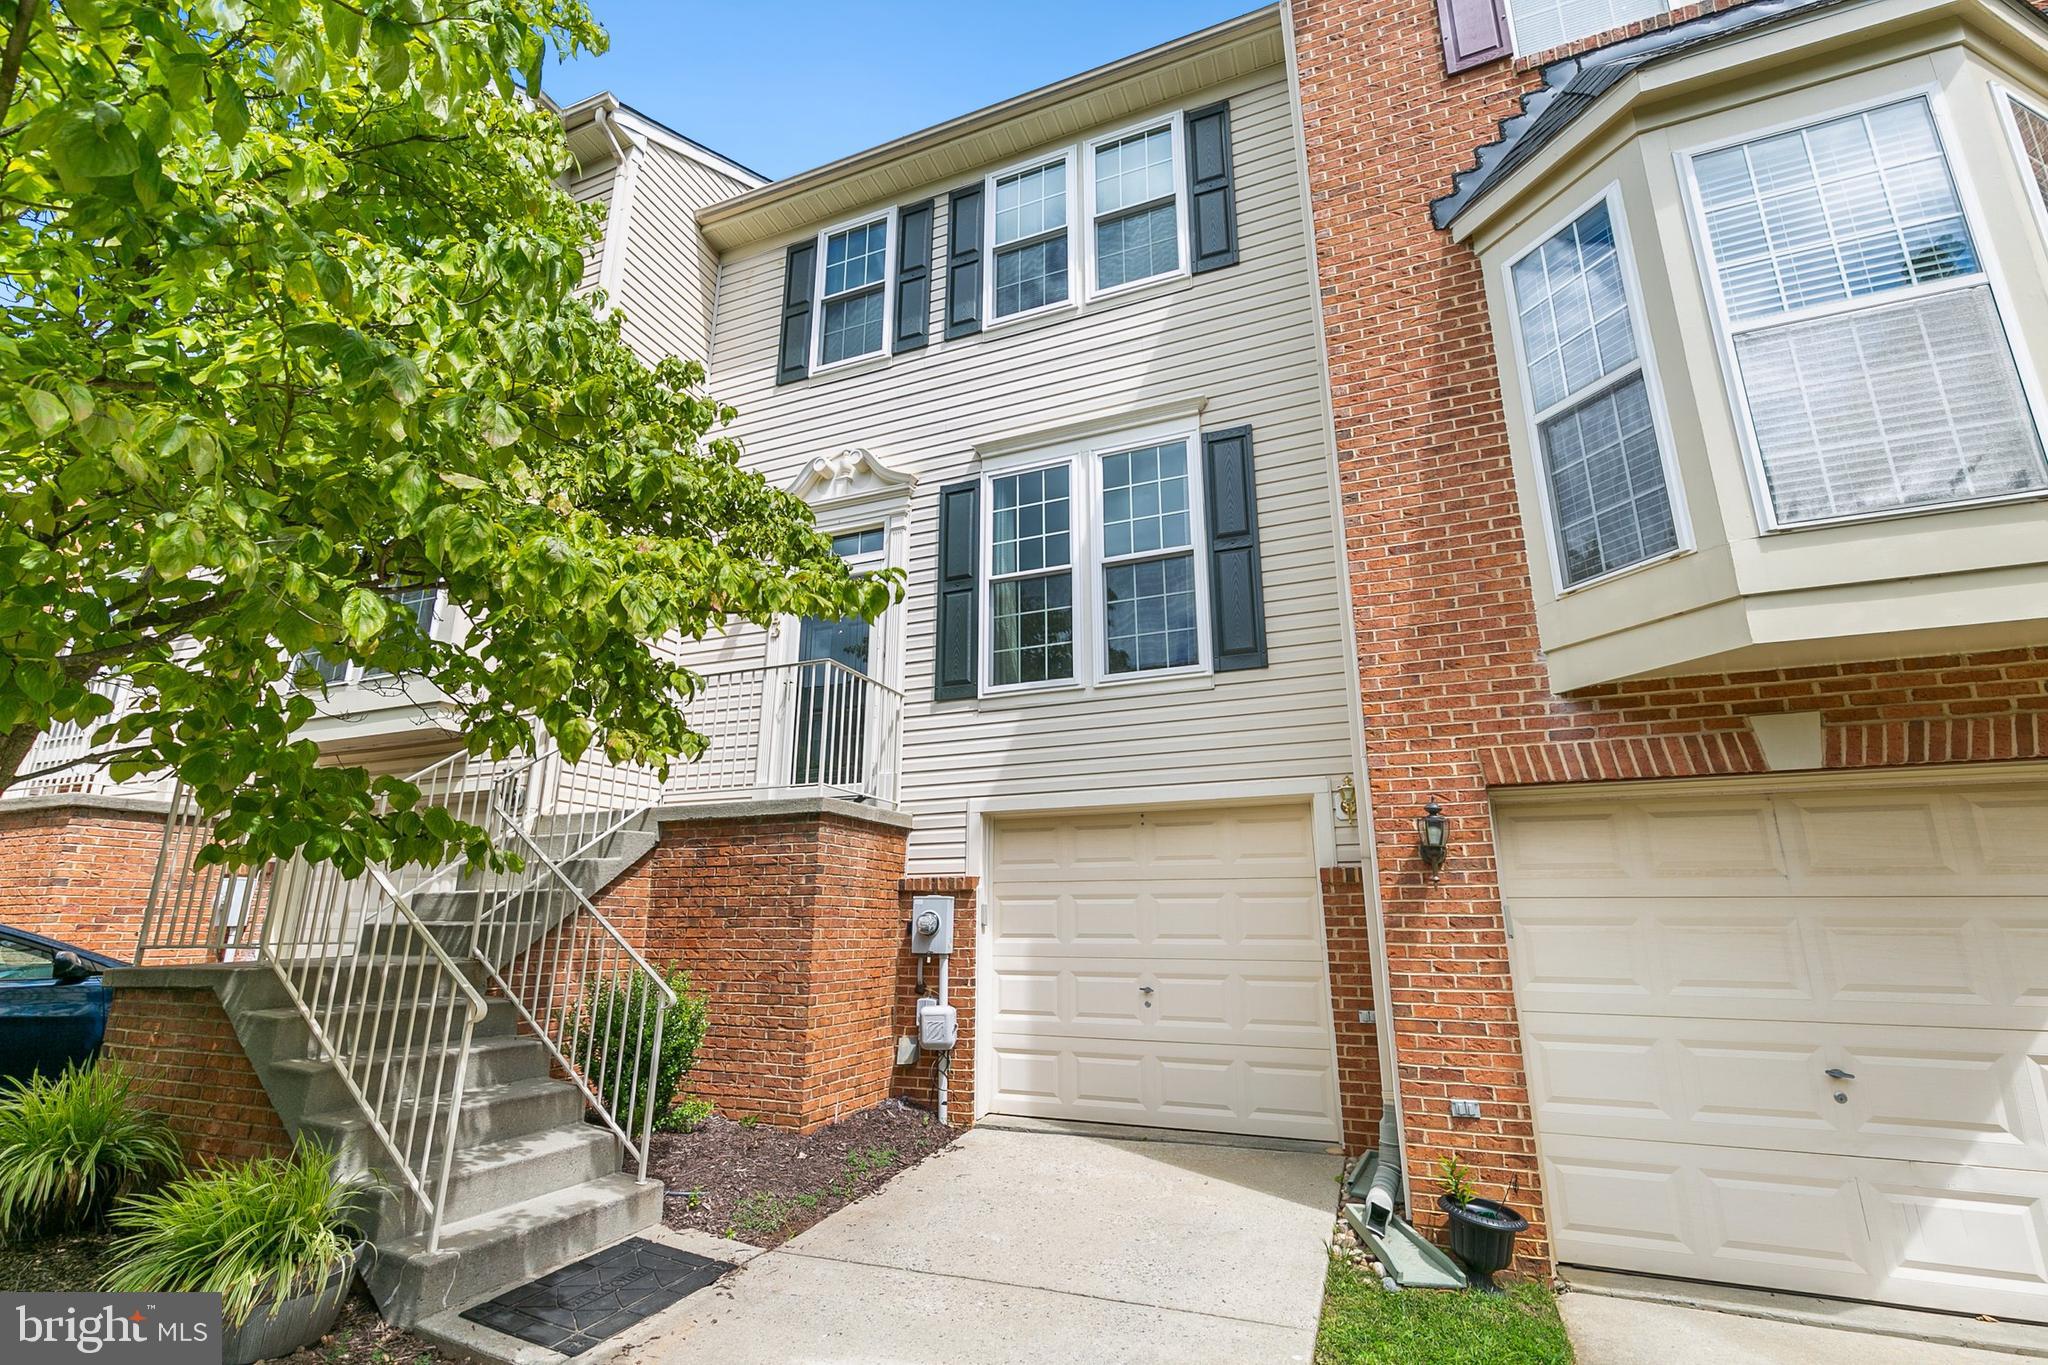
[186, 1063]
[790, 923]
[918, 1083]
[1455, 691]
[1348, 936]
[79, 873]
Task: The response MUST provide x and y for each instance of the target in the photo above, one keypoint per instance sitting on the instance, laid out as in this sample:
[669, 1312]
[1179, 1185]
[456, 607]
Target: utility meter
[931, 925]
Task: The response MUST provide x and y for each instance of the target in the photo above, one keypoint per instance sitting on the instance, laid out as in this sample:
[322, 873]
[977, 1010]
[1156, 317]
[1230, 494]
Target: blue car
[53, 1005]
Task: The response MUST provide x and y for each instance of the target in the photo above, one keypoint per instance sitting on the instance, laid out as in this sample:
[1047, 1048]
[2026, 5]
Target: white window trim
[1515, 37]
[1990, 273]
[1070, 158]
[1645, 364]
[2006, 96]
[1176, 124]
[887, 217]
[1083, 458]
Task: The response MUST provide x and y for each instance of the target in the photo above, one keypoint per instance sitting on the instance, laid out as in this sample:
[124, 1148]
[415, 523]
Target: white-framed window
[853, 290]
[1607, 483]
[1030, 237]
[1871, 370]
[1137, 206]
[1094, 571]
[422, 604]
[1540, 25]
[2027, 122]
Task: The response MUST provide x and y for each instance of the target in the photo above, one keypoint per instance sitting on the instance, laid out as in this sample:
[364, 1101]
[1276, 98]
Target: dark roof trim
[644, 117]
[1572, 85]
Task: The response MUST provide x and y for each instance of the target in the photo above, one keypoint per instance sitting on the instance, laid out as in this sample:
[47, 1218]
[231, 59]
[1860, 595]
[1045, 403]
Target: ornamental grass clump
[255, 1232]
[72, 1144]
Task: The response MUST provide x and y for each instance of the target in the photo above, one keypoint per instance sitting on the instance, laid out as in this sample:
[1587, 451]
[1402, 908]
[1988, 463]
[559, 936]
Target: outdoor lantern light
[1432, 836]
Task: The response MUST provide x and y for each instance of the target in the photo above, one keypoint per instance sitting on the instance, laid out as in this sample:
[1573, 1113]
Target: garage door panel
[1958, 1240]
[1690, 964]
[1940, 1095]
[1162, 967]
[1948, 961]
[1223, 1088]
[1260, 1007]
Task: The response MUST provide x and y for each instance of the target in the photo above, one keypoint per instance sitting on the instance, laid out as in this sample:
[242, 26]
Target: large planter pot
[1483, 1236]
[298, 1321]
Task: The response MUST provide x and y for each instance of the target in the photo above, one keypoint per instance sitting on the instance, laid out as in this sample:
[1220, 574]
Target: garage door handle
[1835, 1073]
[1146, 989]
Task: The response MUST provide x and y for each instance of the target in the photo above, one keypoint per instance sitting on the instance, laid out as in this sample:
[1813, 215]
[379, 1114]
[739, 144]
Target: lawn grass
[1365, 1324]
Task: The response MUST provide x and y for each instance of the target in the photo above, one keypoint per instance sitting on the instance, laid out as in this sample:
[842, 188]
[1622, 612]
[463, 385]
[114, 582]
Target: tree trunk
[14, 747]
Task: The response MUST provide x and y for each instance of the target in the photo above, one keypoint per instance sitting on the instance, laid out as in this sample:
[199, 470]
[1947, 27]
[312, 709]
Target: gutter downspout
[1382, 989]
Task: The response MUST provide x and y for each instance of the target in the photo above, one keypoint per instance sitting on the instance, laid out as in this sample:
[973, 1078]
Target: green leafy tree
[288, 324]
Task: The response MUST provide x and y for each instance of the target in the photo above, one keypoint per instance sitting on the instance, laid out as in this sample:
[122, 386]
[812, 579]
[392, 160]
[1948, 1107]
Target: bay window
[1872, 368]
[1607, 488]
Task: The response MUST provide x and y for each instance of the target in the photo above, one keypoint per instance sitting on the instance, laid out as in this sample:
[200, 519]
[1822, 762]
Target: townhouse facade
[1605, 439]
[1687, 373]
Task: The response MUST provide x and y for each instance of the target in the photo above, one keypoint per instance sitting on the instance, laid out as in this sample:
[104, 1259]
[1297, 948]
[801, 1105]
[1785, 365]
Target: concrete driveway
[1031, 1246]
[1609, 1330]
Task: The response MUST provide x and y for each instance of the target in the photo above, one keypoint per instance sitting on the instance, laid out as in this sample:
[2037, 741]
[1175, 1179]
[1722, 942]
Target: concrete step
[483, 1256]
[503, 1173]
[453, 927]
[489, 1113]
[280, 1033]
[301, 1086]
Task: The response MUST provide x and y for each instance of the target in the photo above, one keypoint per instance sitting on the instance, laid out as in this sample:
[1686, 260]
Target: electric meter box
[938, 1026]
[931, 925]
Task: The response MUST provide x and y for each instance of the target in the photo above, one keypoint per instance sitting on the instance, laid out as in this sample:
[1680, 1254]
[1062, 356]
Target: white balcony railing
[61, 761]
[814, 728]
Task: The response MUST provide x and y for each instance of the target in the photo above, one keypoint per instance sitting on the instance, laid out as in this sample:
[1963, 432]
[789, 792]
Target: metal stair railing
[579, 986]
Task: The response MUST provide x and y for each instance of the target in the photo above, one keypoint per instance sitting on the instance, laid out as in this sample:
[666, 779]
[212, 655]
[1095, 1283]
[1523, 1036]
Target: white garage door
[1695, 966]
[1161, 967]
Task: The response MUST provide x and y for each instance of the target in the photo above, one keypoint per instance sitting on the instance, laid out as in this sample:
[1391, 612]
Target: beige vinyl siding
[1243, 340]
[595, 187]
[669, 276]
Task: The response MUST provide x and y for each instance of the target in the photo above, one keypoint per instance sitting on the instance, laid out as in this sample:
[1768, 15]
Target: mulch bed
[762, 1185]
[73, 1263]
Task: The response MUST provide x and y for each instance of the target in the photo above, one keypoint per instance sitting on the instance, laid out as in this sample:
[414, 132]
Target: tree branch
[17, 40]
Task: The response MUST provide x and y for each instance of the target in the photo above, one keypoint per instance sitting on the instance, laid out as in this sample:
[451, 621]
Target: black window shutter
[953, 669]
[1212, 199]
[1474, 31]
[963, 262]
[1237, 600]
[913, 276]
[794, 361]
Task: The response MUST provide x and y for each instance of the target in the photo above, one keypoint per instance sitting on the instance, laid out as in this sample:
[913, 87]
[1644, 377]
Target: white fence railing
[62, 760]
[792, 729]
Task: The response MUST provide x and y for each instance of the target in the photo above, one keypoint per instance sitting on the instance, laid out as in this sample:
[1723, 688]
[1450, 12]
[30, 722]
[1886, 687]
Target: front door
[830, 740]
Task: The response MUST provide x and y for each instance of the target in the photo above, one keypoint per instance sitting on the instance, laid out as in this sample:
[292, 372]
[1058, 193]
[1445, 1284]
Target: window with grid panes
[1031, 577]
[1148, 561]
[856, 270]
[1030, 223]
[1603, 468]
[1137, 211]
[1872, 361]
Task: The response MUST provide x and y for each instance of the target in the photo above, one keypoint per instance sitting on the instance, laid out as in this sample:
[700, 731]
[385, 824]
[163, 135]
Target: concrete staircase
[533, 1184]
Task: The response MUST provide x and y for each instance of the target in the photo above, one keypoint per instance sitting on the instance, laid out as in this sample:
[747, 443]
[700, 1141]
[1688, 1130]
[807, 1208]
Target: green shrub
[612, 1034]
[71, 1145]
[267, 1228]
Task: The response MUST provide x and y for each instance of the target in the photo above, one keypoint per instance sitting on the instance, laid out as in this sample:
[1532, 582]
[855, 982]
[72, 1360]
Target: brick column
[79, 868]
[1347, 933]
[918, 1083]
[181, 1053]
[787, 915]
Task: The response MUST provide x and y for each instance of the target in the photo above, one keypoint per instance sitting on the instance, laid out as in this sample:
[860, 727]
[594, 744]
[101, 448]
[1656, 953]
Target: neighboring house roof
[591, 147]
[1573, 85]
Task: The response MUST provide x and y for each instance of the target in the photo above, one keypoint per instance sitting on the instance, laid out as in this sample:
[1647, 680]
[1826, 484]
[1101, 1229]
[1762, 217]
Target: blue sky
[784, 85]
